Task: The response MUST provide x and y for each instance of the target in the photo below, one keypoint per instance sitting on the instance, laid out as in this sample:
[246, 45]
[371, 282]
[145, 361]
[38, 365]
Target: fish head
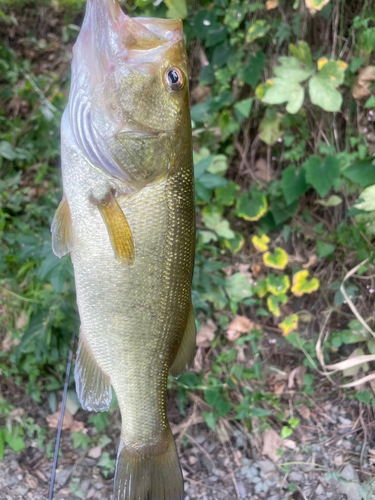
[129, 104]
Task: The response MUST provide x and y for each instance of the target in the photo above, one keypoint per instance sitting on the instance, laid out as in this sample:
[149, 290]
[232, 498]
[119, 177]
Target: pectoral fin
[62, 232]
[186, 351]
[92, 384]
[118, 229]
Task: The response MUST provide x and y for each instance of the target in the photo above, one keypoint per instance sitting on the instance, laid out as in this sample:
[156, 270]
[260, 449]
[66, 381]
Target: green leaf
[7, 151]
[100, 421]
[283, 90]
[270, 130]
[366, 200]
[370, 103]
[2, 444]
[224, 231]
[218, 165]
[253, 69]
[289, 324]
[238, 287]
[273, 302]
[293, 184]
[13, 439]
[253, 208]
[286, 432]
[210, 419]
[277, 260]
[332, 71]
[235, 244]
[322, 174]
[302, 52]
[325, 249]
[324, 94]
[242, 109]
[211, 216]
[291, 70]
[257, 30]
[333, 201]
[80, 440]
[362, 172]
[176, 9]
[364, 396]
[259, 412]
[226, 195]
[278, 285]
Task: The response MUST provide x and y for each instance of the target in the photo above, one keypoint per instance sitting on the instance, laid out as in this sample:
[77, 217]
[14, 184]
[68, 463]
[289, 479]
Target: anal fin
[62, 232]
[92, 384]
[118, 229]
[186, 352]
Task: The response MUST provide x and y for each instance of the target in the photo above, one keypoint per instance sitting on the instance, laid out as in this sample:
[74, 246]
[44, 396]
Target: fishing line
[62, 414]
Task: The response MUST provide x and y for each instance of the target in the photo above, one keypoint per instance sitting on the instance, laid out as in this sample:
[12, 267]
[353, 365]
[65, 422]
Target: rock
[85, 485]
[319, 490]
[62, 476]
[274, 497]
[266, 466]
[21, 491]
[345, 421]
[352, 488]
[241, 489]
[295, 477]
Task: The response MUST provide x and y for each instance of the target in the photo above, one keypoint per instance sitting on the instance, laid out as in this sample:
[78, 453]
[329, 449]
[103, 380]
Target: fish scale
[128, 219]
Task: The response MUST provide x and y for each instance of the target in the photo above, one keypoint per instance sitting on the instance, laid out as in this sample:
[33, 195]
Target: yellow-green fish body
[127, 217]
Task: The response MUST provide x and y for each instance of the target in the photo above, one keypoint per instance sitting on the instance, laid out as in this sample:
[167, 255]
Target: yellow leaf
[272, 4]
[342, 65]
[315, 5]
[302, 285]
[277, 260]
[322, 62]
[289, 324]
[260, 242]
[273, 305]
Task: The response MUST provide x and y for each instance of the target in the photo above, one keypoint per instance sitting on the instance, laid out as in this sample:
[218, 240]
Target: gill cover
[117, 62]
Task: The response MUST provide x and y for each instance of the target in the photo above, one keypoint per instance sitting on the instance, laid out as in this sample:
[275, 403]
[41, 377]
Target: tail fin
[144, 476]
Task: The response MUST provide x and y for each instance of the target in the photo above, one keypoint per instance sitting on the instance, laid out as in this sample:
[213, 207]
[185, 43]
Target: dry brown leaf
[22, 320]
[9, 342]
[95, 452]
[31, 481]
[272, 4]
[295, 379]
[289, 443]
[310, 262]
[200, 94]
[68, 422]
[65, 491]
[364, 79]
[40, 475]
[304, 411]
[262, 172]
[313, 8]
[239, 325]
[256, 269]
[206, 334]
[271, 443]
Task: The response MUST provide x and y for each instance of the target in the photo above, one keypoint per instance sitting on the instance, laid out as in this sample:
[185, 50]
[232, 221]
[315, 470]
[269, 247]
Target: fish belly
[133, 317]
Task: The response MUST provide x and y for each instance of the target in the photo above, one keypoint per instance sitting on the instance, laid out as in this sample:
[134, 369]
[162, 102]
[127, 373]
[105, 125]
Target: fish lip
[137, 130]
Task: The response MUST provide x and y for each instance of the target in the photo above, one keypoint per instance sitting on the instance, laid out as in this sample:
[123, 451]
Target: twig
[61, 415]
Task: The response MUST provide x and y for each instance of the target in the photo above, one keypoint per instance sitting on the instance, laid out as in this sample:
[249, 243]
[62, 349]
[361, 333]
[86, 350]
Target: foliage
[284, 193]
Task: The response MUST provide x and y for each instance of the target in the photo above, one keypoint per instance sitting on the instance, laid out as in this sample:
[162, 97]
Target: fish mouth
[138, 130]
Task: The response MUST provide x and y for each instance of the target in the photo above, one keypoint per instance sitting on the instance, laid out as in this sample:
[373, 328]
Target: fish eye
[174, 78]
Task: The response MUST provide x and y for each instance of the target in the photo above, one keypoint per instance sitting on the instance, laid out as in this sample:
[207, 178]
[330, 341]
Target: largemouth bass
[127, 217]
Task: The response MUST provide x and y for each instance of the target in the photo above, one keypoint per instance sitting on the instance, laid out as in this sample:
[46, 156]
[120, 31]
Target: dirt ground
[323, 459]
